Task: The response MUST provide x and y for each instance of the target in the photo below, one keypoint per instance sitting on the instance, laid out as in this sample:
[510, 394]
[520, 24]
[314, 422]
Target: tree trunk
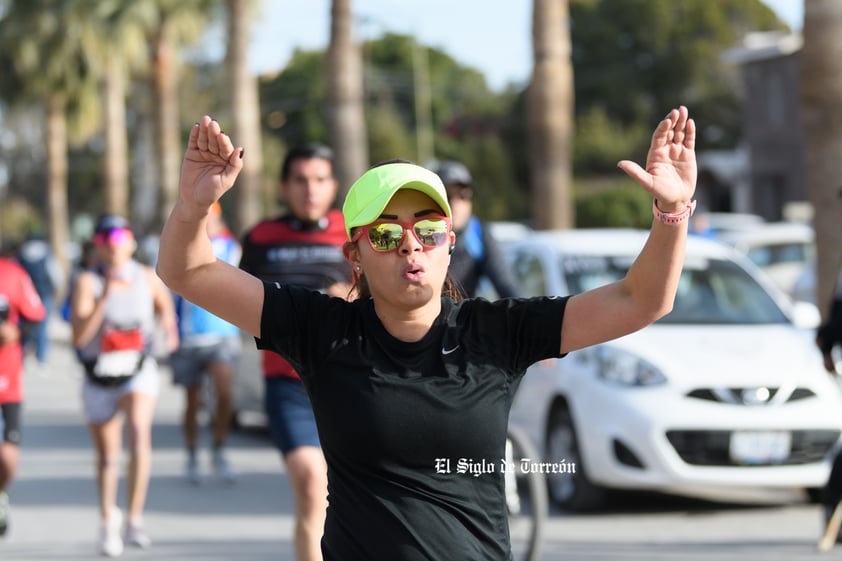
[550, 116]
[821, 111]
[245, 117]
[346, 112]
[167, 132]
[423, 103]
[56, 134]
[116, 155]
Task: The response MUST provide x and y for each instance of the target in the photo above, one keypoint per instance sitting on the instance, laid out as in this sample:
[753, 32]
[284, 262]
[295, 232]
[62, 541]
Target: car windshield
[711, 291]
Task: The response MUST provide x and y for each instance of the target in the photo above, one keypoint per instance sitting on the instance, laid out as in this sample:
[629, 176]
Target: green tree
[48, 44]
[389, 137]
[169, 25]
[117, 46]
[663, 53]
[293, 101]
[468, 120]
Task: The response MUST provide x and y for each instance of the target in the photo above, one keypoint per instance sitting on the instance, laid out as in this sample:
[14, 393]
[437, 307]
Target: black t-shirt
[391, 415]
[477, 254]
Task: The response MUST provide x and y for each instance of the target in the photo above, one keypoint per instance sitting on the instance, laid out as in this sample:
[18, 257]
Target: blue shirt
[195, 322]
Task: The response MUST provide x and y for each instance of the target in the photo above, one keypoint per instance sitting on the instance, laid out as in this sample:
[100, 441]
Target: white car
[722, 222]
[726, 391]
[781, 250]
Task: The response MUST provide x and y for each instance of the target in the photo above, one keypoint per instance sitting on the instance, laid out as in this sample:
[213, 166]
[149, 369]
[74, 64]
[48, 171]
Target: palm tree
[116, 154]
[118, 45]
[48, 42]
[550, 116]
[169, 25]
[245, 115]
[821, 105]
[346, 110]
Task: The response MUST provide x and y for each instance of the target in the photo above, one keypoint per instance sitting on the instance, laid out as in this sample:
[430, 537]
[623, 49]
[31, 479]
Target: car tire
[570, 491]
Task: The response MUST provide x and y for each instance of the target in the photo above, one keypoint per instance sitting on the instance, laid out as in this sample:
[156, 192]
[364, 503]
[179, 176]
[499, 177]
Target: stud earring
[358, 268]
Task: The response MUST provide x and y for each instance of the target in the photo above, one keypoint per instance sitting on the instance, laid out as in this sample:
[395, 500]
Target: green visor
[370, 194]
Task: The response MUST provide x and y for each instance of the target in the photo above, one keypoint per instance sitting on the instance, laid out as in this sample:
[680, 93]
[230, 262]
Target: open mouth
[414, 272]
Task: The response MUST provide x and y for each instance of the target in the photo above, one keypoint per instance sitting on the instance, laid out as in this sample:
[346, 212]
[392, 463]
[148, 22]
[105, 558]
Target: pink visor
[116, 236]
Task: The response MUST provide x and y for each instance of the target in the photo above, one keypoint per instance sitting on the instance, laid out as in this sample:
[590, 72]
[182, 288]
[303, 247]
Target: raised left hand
[670, 174]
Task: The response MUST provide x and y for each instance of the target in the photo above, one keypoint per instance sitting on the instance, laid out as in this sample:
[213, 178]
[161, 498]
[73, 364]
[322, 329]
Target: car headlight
[624, 368]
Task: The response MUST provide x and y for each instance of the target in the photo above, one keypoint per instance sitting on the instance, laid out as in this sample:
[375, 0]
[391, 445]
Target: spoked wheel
[526, 497]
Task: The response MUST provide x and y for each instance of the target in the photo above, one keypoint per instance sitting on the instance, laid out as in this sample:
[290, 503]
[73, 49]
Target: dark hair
[392, 161]
[309, 151]
[450, 289]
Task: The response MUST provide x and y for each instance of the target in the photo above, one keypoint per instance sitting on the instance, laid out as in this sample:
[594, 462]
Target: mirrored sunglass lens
[431, 232]
[385, 237]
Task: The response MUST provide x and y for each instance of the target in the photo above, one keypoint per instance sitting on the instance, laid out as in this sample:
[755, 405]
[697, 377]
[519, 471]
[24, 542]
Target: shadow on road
[644, 502]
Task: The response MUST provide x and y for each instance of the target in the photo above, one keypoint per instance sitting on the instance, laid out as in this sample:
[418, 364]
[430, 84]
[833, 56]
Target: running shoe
[110, 541]
[135, 536]
[222, 468]
[194, 476]
[4, 513]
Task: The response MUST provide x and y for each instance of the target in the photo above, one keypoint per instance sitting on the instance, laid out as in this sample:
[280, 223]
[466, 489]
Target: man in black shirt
[477, 253]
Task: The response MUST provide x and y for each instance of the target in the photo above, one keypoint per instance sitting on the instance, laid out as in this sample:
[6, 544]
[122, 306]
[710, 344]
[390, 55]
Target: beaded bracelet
[673, 218]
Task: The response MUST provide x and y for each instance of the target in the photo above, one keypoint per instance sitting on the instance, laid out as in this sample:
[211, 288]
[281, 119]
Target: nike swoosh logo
[448, 351]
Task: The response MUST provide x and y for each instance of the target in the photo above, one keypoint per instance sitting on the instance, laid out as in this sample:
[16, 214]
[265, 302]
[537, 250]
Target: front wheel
[526, 498]
[571, 488]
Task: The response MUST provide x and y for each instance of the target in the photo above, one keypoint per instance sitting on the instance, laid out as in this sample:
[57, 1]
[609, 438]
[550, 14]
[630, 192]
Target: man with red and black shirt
[304, 248]
[19, 305]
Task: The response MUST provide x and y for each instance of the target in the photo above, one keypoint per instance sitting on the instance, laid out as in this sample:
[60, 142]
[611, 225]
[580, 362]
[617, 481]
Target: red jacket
[22, 299]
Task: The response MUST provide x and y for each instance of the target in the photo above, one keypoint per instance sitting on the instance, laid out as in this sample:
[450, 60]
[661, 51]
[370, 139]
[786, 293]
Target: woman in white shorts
[113, 314]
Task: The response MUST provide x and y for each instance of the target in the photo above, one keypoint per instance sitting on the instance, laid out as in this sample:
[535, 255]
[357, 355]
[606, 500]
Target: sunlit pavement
[54, 503]
[54, 500]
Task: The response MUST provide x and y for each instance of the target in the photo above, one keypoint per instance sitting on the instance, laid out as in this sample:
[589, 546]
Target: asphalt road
[54, 502]
[54, 513]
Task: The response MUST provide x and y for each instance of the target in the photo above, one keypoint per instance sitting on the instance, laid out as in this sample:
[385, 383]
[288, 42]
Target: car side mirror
[805, 315]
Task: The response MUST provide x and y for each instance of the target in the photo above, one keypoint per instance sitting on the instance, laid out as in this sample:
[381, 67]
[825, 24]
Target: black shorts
[10, 423]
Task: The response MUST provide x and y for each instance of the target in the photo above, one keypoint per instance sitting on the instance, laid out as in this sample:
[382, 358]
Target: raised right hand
[210, 166]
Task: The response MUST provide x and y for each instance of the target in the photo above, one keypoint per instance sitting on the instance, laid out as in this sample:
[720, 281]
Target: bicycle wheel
[526, 498]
